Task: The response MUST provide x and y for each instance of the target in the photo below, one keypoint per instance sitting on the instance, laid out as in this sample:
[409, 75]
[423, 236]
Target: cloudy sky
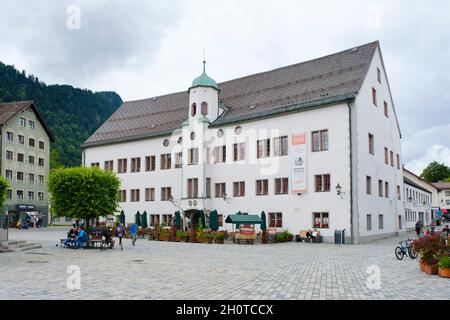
[146, 48]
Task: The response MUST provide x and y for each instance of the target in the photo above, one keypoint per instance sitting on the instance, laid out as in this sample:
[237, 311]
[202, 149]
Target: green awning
[243, 219]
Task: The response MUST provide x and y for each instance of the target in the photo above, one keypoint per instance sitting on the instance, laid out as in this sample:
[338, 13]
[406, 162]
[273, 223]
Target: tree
[4, 185]
[435, 172]
[83, 193]
[446, 180]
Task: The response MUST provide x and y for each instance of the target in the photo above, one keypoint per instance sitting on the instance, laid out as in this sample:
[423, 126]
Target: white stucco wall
[368, 118]
[297, 210]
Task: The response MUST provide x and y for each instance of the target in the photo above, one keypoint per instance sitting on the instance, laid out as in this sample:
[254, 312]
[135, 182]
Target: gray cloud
[145, 48]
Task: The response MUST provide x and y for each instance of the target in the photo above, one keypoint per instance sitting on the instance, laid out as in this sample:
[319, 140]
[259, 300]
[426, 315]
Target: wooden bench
[303, 237]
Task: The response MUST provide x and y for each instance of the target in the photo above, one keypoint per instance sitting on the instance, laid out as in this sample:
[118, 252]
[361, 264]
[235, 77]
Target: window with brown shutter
[386, 155]
[122, 166]
[262, 187]
[239, 189]
[275, 220]
[135, 164]
[322, 183]
[319, 140]
[371, 144]
[204, 108]
[150, 163]
[374, 96]
[263, 148]
[368, 185]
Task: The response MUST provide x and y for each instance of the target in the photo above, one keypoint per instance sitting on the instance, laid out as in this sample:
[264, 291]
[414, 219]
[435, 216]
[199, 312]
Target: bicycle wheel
[412, 253]
[399, 253]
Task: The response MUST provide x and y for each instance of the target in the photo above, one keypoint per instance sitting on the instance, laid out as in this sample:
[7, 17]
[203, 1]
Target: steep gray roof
[8, 110]
[412, 183]
[442, 185]
[330, 79]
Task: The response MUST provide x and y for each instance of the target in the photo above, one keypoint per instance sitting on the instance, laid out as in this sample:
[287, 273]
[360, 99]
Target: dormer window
[194, 110]
[204, 108]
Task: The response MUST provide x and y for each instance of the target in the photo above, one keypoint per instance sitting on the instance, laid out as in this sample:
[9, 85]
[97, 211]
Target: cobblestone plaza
[170, 270]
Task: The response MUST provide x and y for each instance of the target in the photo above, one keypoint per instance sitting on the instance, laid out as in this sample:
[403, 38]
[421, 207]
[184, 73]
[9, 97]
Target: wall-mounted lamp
[339, 191]
[225, 197]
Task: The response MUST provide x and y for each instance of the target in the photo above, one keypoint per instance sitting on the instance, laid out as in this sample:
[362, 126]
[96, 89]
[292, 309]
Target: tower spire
[204, 60]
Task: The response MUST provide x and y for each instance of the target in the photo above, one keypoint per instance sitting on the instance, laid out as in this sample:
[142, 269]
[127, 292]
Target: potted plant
[180, 236]
[163, 235]
[444, 266]
[220, 237]
[205, 237]
[430, 249]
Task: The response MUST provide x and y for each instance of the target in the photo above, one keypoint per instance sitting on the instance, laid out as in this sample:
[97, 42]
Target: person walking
[133, 232]
[120, 233]
[418, 227]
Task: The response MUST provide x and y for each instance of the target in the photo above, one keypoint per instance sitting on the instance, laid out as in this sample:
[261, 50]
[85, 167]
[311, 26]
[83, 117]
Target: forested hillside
[72, 114]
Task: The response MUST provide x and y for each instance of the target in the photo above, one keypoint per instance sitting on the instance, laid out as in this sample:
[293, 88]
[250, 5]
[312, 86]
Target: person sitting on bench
[81, 238]
[311, 234]
[71, 236]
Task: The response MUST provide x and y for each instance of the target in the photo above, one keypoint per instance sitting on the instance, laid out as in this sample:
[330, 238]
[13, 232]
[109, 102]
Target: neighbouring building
[419, 198]
[443, 195]
[25, 156]
[313, 145]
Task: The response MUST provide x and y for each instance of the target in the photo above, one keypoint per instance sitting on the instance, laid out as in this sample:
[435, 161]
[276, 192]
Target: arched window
[204, 108]
[194, 109]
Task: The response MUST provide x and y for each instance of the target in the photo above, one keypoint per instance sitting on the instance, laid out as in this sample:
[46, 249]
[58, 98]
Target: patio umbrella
[122, 217]
[202, 219]
[178, 220]
[138, 219]
[444, 211]
[214, 220]
[238, 226]
[263, 218]
[144, 220]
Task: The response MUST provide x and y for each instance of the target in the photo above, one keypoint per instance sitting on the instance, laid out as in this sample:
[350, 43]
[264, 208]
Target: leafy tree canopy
[435, 172]
[4, 185]
[83, 193]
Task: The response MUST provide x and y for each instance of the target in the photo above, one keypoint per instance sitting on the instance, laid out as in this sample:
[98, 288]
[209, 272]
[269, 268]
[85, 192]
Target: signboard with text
[298, 165]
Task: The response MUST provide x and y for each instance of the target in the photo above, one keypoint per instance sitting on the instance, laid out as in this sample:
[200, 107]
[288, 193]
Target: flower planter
[203, 240]
[422, 266]
[178, 239]
[219, 241]
[444, 272]
[430, 269]
[164, 238]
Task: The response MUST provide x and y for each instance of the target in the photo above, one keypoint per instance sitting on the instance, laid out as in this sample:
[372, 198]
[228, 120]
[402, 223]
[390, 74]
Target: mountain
[72, 114]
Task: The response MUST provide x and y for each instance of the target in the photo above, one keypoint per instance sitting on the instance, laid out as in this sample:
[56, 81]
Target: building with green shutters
[24, 160]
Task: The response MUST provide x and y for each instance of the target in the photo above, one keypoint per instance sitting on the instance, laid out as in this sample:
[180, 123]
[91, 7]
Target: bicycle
[405, 249]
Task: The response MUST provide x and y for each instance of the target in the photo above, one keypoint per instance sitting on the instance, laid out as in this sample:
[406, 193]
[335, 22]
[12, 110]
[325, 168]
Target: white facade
[346, 159]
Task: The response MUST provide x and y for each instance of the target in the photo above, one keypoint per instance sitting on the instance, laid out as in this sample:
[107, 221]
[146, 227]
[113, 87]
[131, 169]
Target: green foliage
[444, 262]
[72, 114]
[83, 193]
[163, 232]
[4, 185]
[220, 236]
[446, 180]
[180, 234]
[435, 172]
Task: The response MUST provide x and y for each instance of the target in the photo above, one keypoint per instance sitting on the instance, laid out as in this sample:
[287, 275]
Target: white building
[443, 195]
[278, 141]
[419, 198]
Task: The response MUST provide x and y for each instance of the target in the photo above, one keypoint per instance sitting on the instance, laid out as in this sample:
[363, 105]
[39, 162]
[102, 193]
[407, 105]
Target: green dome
[204, 80]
